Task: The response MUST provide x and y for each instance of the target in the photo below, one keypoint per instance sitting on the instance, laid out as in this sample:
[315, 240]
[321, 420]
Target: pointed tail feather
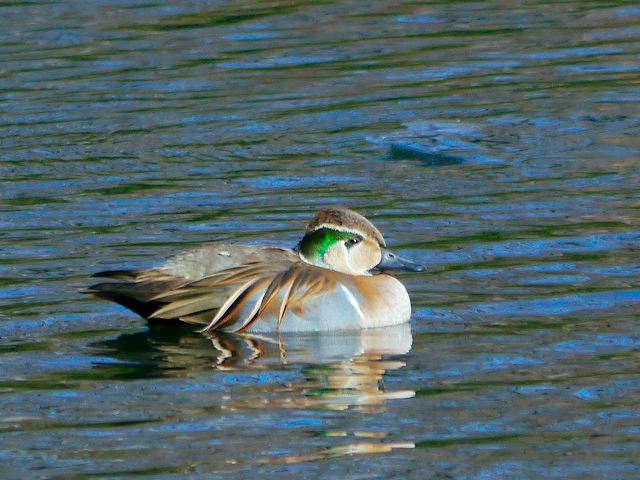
[134, 289]
[123, 293]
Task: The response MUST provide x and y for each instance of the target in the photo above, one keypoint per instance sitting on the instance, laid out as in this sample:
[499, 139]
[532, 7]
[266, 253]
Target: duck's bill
[392, 261]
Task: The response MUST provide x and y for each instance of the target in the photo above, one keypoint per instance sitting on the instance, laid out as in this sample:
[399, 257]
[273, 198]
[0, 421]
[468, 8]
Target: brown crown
[343, 217]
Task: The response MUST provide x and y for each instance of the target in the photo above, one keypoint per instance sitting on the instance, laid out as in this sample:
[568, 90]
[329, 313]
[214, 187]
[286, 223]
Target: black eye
[352, 241]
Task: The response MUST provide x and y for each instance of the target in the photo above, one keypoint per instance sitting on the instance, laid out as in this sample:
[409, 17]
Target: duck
[336, 278]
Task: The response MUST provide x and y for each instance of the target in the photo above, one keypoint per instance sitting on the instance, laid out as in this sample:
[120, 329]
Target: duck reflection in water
[337, 370]
[340, 370]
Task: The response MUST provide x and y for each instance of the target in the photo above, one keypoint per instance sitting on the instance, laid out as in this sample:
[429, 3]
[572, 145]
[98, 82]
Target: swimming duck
[334, 279]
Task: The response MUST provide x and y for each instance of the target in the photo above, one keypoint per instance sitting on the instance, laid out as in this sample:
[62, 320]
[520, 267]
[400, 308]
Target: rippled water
[497, 142]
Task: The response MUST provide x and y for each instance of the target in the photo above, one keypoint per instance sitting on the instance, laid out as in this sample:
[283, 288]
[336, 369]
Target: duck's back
[142, 290]
[208, 259]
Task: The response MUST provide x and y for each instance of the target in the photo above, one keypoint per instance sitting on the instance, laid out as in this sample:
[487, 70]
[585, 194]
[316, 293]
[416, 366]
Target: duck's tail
[128, 289]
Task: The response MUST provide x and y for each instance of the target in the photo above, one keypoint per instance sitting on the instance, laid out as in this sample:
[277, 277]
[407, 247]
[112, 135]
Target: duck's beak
[391, 261]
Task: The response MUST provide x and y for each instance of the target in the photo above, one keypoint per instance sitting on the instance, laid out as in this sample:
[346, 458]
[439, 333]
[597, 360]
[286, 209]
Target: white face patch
[348, 258]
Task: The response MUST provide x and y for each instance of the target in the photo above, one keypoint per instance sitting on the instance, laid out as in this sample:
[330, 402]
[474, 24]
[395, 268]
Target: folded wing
[231, 292]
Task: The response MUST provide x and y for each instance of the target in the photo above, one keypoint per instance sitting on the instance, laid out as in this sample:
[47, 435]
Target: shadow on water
[145, 353]
[442, 143]
[420, 151]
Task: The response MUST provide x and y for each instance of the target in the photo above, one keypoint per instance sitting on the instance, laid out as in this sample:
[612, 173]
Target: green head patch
[316, 243]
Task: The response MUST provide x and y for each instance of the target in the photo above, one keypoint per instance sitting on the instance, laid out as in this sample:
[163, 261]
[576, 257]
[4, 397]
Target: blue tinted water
[497, 143]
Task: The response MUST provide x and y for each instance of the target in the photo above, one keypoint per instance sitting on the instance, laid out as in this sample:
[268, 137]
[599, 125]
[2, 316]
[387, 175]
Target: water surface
[497, 143]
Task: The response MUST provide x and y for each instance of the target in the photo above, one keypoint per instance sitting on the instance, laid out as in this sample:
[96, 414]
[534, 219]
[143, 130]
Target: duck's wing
[220, 297]
[235, 298]
[289, 291]
[162, 292]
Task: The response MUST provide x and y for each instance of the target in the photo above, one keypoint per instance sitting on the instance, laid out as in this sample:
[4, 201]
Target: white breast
[347, 307]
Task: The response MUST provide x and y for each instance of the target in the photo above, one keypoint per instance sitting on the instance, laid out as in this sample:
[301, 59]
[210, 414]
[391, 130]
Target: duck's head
[343, 240]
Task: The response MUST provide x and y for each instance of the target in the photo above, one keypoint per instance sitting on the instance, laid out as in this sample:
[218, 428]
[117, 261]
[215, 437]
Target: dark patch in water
[422, 152]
